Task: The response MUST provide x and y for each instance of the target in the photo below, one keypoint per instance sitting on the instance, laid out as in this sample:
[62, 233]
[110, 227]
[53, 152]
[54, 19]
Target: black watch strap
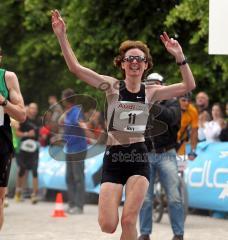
[182, 63]
[4, 103]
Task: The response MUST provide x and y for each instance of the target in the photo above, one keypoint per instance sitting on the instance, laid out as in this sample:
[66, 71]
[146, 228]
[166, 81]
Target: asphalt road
[24, 221]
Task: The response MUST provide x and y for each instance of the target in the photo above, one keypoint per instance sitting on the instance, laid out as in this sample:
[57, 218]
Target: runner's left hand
[172, 46]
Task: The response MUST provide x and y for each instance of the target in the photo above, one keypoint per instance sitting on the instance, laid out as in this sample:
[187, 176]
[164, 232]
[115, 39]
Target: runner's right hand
[58, 24]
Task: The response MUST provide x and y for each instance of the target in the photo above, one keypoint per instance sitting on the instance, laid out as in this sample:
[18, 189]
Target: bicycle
[160, 203]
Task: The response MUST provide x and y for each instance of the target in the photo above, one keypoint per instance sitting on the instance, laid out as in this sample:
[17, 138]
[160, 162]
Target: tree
[210, 71]
[96, 29]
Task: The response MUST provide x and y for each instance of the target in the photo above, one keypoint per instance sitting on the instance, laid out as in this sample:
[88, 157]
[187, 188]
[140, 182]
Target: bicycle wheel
[158, 206]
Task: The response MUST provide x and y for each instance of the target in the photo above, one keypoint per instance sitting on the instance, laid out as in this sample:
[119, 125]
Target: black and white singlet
[127, 118]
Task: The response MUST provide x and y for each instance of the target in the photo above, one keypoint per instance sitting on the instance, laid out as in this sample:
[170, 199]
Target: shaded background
[96, 29]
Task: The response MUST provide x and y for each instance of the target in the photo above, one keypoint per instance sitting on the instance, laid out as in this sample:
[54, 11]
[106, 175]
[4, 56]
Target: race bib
[1, 116]
[29, 145]
[130, 116]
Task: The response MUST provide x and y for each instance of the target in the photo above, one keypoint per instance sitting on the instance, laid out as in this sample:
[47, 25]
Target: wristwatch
[192, 153]
[4, 103]
[182, 63]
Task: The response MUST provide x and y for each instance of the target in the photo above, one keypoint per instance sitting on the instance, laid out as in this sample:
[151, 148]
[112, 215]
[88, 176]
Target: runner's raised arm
[87, 75]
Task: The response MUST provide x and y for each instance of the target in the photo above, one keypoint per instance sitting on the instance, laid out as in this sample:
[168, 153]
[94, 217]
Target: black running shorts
[123, 161]
[5, 163]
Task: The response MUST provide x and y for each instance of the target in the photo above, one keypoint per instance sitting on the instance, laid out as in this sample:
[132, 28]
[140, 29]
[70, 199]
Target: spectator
[45, 130]
[51, 119]
[226, 112]
[55, 108]
[162, 158]
[202, 105]
[224, 133]
[213, 128]
[188, 132]
[203, 118]
[96, 125]
[29, 152]
[202, 102]
[76, 146]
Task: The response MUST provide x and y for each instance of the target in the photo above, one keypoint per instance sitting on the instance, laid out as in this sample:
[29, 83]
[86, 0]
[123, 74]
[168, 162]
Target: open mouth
[134, 67]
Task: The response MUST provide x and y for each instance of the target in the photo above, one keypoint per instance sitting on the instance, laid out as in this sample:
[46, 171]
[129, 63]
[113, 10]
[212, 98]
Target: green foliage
[95, 30]
[211, 72]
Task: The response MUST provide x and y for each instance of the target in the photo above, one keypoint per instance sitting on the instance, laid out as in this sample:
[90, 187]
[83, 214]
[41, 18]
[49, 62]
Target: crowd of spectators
[210, 123]
[42, 130]
[213, 121]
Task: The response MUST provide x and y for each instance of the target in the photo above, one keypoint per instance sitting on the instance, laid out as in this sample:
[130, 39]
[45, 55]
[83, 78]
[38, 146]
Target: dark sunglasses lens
[132, 58]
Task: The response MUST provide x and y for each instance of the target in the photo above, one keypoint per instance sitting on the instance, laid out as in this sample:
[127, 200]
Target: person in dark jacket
[161, 138]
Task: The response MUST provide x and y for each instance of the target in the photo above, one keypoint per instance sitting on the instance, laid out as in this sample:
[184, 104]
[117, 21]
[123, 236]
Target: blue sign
[52, 174]
[207, 177]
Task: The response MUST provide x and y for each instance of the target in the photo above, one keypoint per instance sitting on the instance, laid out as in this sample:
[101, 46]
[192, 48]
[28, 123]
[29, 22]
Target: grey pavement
[24, 221]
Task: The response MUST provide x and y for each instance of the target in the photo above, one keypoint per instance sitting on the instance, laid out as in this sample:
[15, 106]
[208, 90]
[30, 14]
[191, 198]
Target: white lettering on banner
[217, 172]
[224, 193]
[223, 154]
[205, 178]
[208, 175]
[191, 172]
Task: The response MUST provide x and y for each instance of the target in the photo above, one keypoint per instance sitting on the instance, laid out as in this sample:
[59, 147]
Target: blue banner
[51, 172]
[207, 177]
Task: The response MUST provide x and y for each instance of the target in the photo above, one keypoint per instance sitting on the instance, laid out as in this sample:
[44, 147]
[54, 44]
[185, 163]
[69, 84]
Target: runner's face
[134, 67]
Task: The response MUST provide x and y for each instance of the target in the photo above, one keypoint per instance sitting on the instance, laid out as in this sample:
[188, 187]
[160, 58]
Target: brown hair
[217, 104]
[129, 44]
[68, 95]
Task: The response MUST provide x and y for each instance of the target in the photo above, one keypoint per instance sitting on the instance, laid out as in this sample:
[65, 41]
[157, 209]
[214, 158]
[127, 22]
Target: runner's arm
[156, 93]
[85, 74]
[15, 106]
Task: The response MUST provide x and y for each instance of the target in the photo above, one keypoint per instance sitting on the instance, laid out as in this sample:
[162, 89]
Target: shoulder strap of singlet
[3, 88]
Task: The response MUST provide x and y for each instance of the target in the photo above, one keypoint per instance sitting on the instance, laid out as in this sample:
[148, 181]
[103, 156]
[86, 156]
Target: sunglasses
[130, 59]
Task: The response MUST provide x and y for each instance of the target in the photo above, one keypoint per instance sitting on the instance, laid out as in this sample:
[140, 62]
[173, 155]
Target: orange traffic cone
[59, 211]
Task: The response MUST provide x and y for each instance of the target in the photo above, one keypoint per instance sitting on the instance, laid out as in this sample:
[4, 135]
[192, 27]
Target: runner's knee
[107, 226]
[128, 221]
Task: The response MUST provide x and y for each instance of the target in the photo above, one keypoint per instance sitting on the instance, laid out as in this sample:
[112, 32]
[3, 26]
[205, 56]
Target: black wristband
[4, 103]
[182, 63]
[192, 153]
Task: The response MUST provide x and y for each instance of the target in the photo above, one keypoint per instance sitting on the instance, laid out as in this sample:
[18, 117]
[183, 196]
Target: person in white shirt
[212, 129]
